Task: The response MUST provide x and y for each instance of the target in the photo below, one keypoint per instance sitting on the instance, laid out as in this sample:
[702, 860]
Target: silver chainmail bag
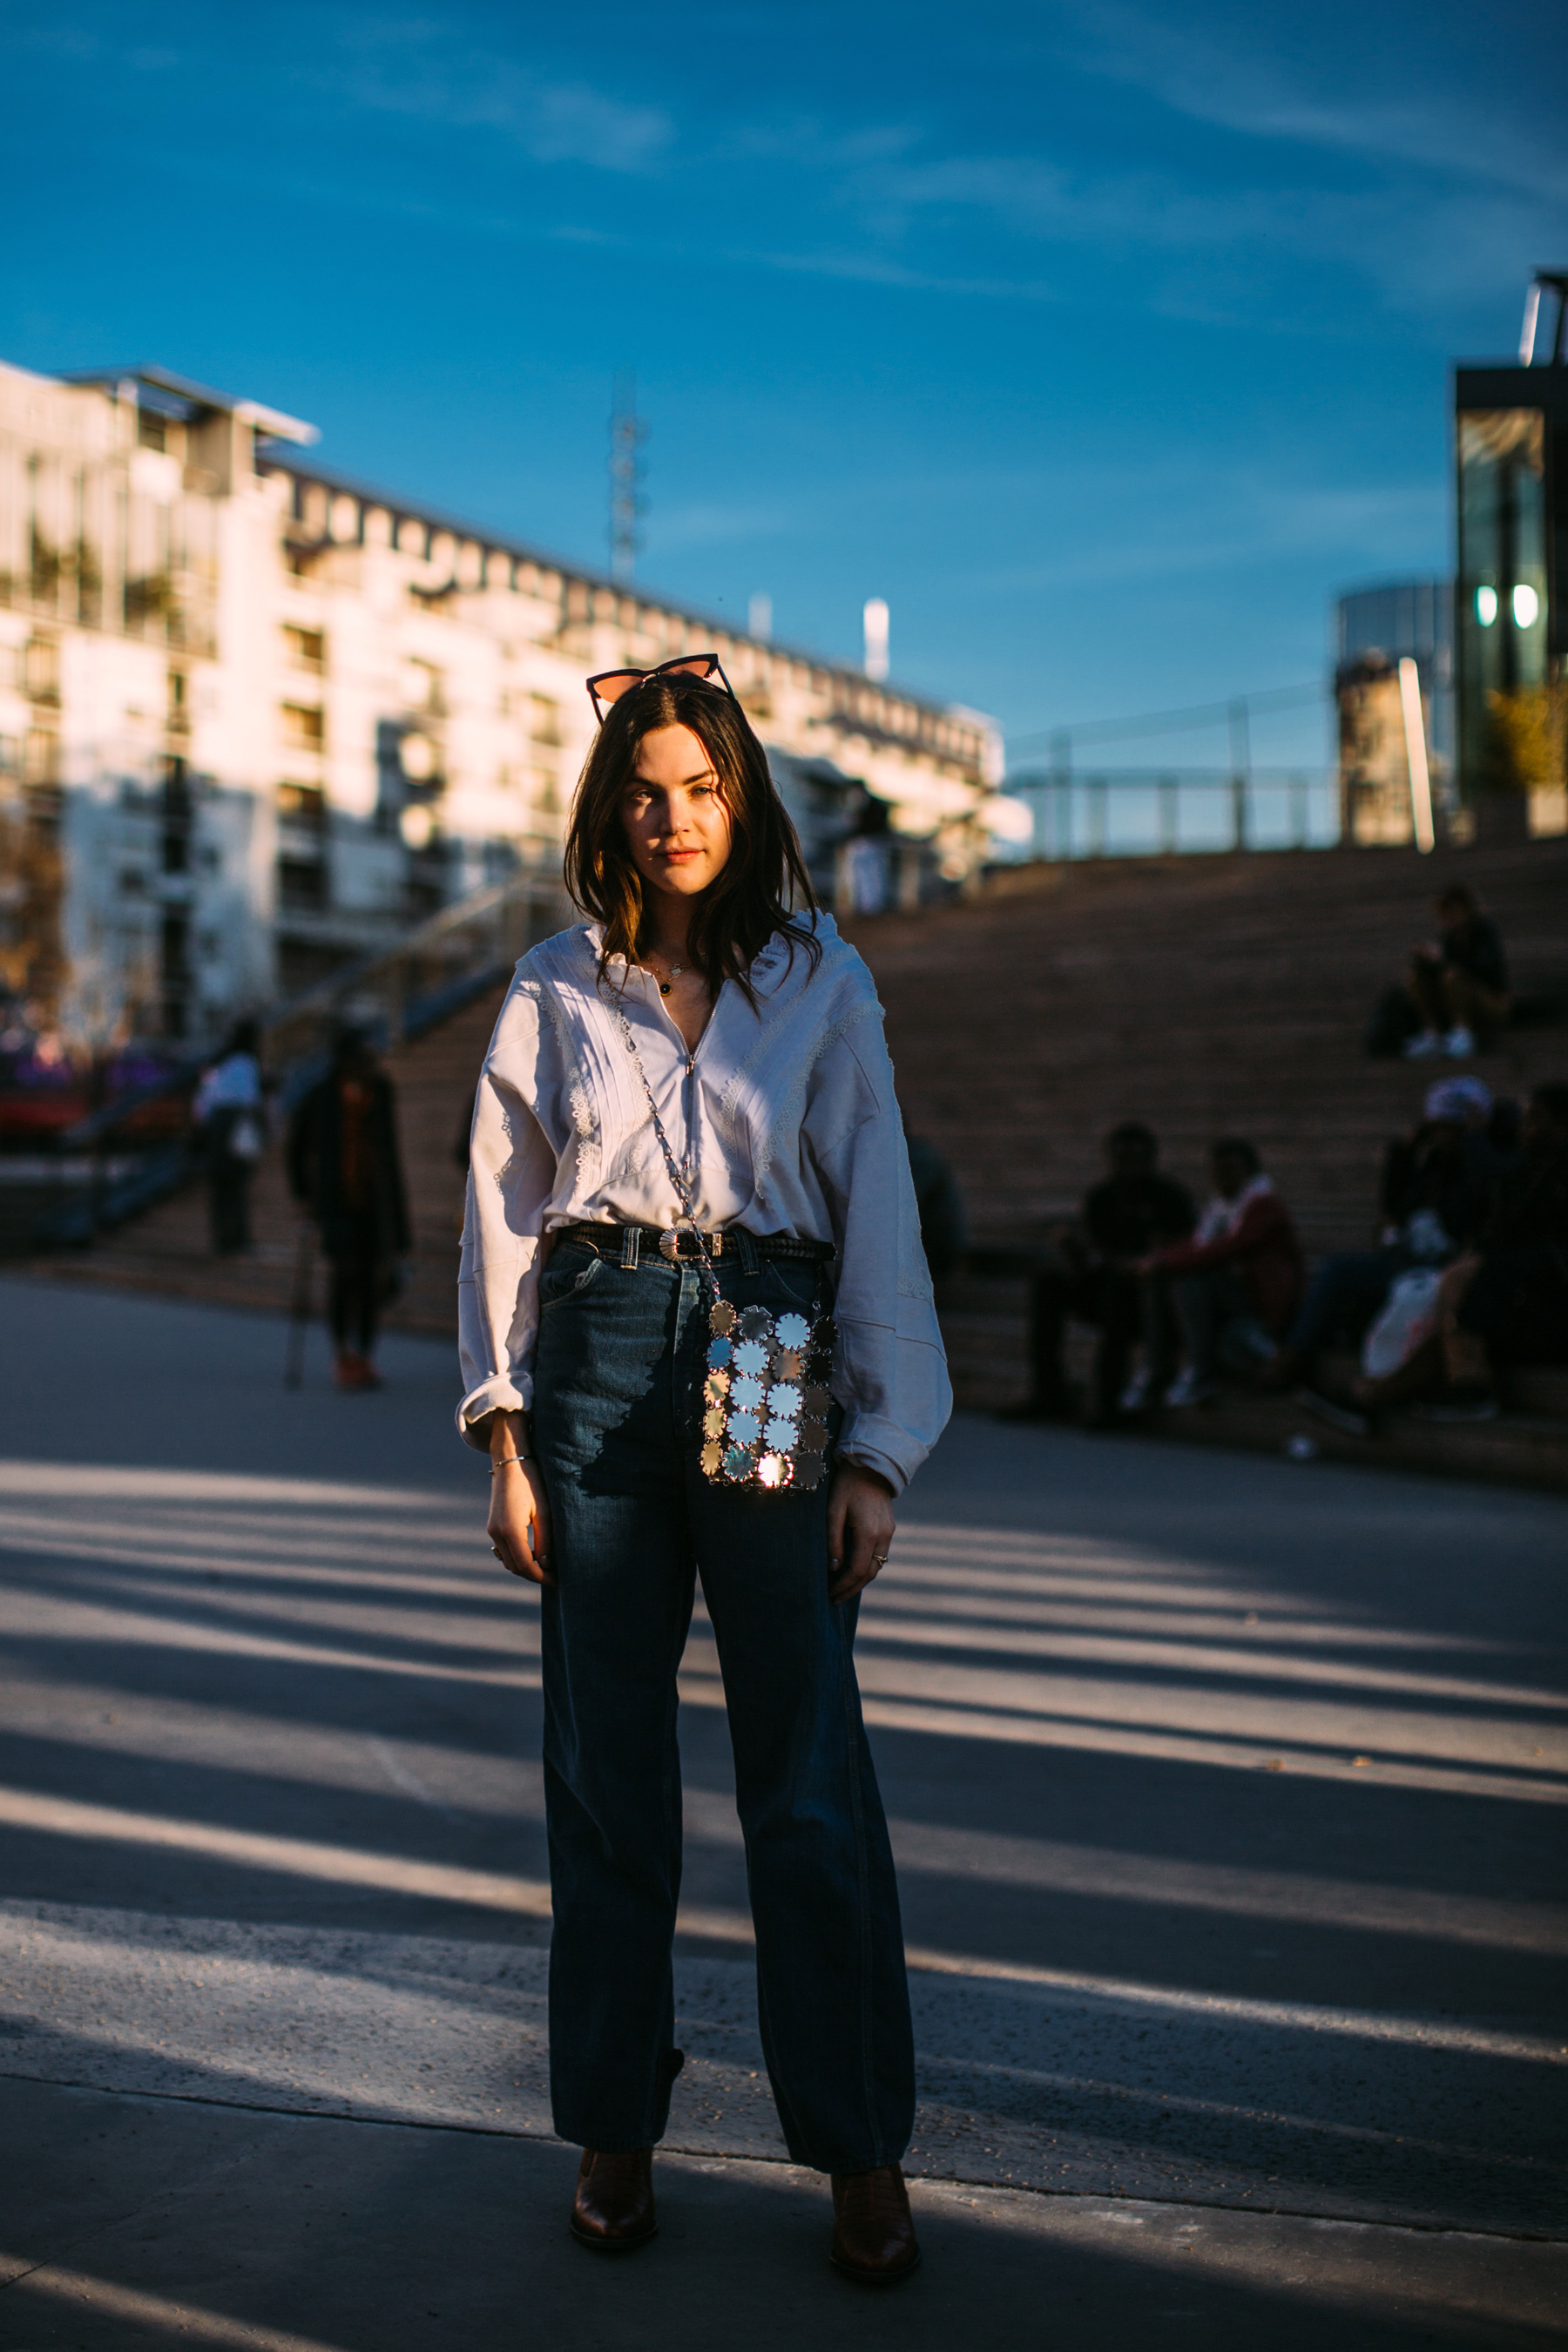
[764, 1388]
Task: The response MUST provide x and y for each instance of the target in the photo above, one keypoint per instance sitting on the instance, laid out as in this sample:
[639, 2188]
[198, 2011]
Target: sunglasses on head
[611, 683]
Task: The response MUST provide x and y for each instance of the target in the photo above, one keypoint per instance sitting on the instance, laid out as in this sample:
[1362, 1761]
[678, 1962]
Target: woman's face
[676, 825]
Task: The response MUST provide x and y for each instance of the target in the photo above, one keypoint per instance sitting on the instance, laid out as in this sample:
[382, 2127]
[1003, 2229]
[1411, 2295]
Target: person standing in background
[345, 1171]
[230, 1114]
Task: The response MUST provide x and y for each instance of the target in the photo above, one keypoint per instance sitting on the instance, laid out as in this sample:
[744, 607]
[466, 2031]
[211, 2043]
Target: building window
[303, 876]
[177, 815]
[175, 973]
[41, 758]
[1500, 608]
[545, 719]
[305, 648]
[302, 886]
[304, 726]
[303, 807]
[422, 686]
[41, 669]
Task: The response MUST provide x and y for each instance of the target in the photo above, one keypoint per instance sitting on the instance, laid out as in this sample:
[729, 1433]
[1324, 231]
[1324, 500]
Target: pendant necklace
[665, 985]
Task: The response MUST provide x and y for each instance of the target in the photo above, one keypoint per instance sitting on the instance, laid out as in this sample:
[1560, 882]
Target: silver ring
[499, 1553]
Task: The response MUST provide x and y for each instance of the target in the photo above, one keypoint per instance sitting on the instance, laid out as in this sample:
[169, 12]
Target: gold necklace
[665, 985]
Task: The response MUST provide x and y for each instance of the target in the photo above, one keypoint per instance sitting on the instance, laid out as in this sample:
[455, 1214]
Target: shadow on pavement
[203, 2227]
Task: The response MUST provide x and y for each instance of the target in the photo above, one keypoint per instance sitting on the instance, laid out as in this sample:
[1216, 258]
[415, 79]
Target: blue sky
[1106, 342]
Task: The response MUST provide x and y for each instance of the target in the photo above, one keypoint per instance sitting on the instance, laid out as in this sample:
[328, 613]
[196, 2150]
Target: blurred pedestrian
[230, 1113]
[345, 1171]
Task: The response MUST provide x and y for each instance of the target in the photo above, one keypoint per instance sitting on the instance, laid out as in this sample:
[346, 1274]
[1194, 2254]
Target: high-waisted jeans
[615, 1429]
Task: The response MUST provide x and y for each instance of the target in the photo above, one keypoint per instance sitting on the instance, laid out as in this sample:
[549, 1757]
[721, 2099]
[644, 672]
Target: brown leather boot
[613, 2210]
[873, 2229]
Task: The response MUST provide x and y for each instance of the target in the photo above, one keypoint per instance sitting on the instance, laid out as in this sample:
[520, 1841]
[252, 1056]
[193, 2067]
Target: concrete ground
[1227, 1798]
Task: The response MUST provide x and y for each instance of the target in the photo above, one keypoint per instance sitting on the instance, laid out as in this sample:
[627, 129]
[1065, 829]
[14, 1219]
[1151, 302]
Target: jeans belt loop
[751, 1257]
[631, 1243]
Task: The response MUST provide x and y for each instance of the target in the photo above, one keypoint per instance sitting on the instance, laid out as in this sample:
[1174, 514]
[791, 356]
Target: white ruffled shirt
[786, 1119]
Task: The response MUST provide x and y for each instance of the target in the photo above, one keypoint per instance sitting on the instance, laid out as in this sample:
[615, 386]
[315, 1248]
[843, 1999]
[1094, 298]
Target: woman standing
[686, 1132]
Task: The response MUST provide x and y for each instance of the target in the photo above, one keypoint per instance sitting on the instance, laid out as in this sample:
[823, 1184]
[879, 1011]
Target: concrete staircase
[1200, 995]
[1205, 996]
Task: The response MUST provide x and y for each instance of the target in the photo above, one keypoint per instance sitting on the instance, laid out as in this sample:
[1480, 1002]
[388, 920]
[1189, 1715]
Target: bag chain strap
[683, 1189]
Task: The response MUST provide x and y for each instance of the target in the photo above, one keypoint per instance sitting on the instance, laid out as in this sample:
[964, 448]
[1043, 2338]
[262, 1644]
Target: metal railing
[398, 992]
[1173, 811]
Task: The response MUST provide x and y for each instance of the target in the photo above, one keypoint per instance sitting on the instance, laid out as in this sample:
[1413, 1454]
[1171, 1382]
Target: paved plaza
[1227, 1797]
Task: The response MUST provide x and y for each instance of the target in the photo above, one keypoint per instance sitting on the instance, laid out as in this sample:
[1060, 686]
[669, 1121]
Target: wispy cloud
[1052, 202]
[414, 67]
[1216, 82]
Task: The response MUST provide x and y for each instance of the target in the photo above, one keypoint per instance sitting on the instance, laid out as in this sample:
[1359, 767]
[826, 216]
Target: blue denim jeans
[615, 1429]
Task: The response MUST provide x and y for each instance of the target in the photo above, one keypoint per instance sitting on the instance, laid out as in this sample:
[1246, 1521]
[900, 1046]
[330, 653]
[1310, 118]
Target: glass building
[1511, 590]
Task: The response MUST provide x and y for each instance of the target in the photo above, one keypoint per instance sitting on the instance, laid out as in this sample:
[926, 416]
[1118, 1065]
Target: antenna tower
[627, 504]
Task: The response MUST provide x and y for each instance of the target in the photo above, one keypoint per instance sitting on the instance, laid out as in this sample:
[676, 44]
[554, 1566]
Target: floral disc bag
[764, 1400]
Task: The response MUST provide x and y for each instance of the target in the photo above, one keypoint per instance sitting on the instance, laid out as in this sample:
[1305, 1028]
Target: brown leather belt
[652, 1241]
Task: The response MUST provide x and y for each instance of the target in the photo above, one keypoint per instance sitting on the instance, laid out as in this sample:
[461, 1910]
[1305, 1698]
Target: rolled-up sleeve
[512, 1177]
[889, 1368]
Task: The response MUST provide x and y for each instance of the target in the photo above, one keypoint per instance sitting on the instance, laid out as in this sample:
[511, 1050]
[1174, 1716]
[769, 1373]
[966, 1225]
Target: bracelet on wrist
[506, 1459]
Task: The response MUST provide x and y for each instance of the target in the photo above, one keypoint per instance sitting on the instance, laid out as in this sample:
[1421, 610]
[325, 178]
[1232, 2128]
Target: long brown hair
[764, 880]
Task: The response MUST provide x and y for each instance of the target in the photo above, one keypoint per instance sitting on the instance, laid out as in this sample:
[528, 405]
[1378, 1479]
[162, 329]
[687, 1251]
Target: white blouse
[786, 1122]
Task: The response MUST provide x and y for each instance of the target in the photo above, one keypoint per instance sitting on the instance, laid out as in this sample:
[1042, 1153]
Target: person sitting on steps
[1092, 1275]
[1504, 1302]
[1235, 1284]
[1459, 982]
[1433, 1198]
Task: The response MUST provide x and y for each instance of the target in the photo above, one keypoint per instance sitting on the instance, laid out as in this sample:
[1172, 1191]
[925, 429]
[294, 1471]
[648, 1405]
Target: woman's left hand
[860, 1528]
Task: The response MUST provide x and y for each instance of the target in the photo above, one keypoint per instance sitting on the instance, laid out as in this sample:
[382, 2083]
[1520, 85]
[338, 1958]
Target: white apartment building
[256, 720]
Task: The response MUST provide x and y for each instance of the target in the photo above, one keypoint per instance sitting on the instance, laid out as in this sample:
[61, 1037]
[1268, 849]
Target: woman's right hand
[519, 1523]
